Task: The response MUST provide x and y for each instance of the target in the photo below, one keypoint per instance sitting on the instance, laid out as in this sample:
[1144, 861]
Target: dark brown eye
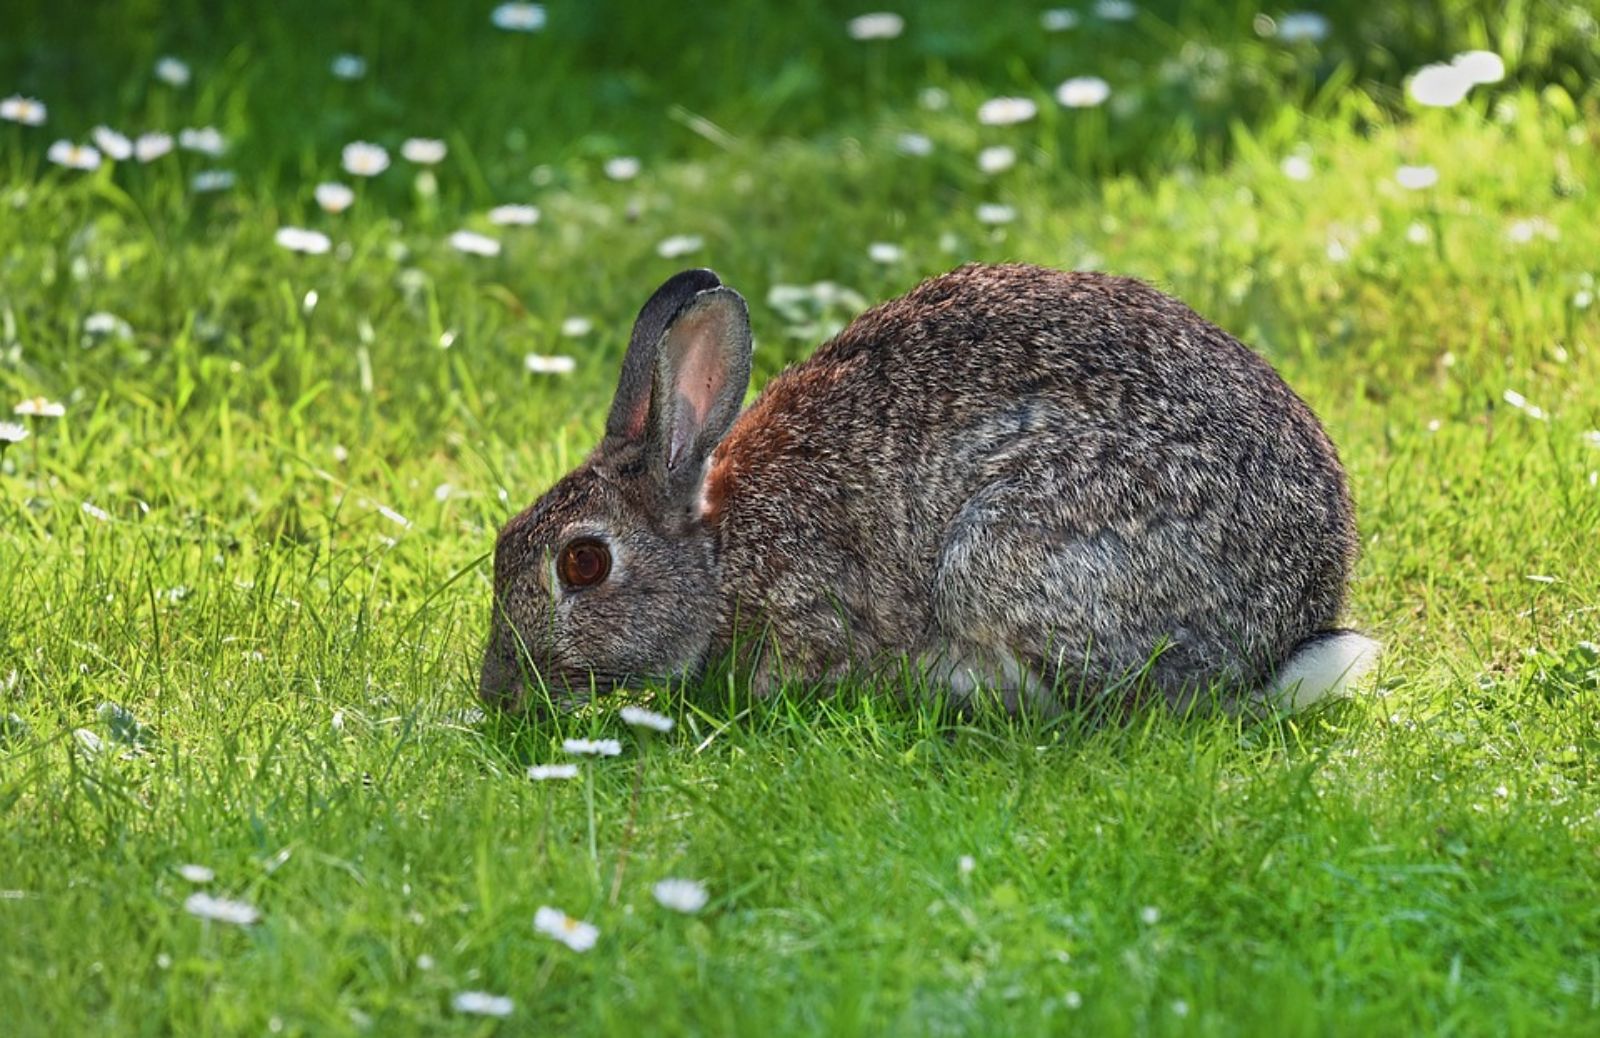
[584, 563]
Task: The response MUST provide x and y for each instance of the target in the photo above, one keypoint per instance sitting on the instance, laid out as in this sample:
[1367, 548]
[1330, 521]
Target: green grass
[284, 580]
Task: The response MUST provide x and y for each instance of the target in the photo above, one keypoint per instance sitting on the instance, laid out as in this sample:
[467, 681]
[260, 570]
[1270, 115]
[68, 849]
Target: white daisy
[114, 145]
[299, 239]
[334, 197]
[1416, 178]
[576, 327]
[148, 147]
[540, 364]
[208, 180]
[102, 324]
[885, 252]
[913, 144]
[518, 17]
[221, 910]
[1006, 111]
[25, 110]
[481, 1003]
[679, 245]
[362, 159]
[1418, 233]
[966, 864]
[1058, 19]
[934, 99]
[1523, 231]
[196, 873]
[1150, 915]
[788, 297]
[172, 72]
[549, 772]
[992, 213]
[514, 215]
[475, 244]
[592, 747]
[623, 167]
[681, 895]
[423, 151]
[880, 25]
[11, 432]
[1520, 402]
[1297, 167]
[39, 407]
[207, 140]
[997, 159]
[1303, 27]
[1083, 92]
[574, 933]
[1114, 10]
[1439, 86]
[349, 66]
[1480, 66]
[74, 156]
[639, 717]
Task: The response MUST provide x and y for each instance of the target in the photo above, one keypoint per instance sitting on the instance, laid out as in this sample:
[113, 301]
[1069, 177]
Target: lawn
[245, 580]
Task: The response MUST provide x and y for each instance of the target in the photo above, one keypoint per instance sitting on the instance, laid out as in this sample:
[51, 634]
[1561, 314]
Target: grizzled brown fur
[1011, 475]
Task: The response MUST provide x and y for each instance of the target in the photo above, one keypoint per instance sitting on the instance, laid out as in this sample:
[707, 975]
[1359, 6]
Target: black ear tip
[724, 294]
[690, 282]
[669, 299]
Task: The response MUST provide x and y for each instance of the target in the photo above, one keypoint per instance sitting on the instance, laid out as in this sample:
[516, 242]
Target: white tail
[1322, 667]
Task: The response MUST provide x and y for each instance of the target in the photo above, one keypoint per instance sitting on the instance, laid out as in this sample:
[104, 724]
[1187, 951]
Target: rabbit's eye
[584, 563]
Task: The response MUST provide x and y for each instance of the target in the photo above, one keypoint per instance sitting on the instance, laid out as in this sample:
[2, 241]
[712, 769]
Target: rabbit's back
[1073, 470]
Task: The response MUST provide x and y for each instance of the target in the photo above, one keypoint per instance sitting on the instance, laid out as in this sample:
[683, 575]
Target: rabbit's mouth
[514, 690]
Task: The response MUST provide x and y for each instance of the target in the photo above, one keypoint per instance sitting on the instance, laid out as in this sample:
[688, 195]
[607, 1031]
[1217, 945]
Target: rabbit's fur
[1043, 483]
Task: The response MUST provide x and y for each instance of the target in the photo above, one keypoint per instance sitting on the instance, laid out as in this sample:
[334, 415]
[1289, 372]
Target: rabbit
[1051, 487]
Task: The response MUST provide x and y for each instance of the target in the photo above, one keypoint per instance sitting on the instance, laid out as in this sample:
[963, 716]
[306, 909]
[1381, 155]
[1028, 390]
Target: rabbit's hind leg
[968, 677]
[1022, 576]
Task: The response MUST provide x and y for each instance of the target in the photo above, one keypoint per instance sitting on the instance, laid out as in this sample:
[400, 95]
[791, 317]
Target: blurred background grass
[607, 77]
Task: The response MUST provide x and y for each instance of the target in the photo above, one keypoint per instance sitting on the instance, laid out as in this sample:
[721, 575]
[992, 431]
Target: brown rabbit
[1048, 485]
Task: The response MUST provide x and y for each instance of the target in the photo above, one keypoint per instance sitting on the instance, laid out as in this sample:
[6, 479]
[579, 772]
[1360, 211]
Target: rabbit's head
[612, 575]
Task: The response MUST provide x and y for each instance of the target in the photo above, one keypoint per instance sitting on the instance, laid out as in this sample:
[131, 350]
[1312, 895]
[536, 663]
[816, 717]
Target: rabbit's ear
[631, 406]
[702, 371]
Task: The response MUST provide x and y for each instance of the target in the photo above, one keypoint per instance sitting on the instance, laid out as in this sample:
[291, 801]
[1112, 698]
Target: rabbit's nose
[500, 683]
[507, 700]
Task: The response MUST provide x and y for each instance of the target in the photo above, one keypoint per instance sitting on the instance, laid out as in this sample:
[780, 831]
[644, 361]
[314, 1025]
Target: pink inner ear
[701, 373]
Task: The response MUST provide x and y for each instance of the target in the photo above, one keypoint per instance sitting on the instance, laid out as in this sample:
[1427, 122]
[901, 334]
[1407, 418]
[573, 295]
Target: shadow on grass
[720, 713]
